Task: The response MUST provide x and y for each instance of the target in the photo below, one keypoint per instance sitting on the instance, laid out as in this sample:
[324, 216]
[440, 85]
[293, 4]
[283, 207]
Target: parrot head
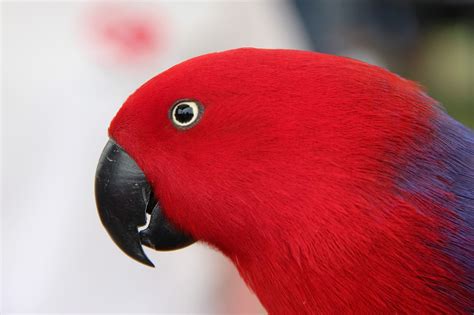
[290, 163]
[216, 149]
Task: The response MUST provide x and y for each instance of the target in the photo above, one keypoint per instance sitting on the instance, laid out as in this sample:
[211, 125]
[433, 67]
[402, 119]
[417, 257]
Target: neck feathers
[442, 171]
[408, 249]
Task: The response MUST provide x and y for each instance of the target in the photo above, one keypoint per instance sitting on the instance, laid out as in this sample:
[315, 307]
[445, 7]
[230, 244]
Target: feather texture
[333, 185]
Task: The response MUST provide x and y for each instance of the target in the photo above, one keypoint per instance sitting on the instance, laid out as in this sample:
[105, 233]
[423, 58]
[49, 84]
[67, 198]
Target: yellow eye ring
[184, 114]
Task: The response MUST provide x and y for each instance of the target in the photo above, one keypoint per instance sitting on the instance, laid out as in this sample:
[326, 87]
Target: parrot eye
[185, 113]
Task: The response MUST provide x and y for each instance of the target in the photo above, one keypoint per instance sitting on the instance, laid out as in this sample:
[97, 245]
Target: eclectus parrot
[334, 186]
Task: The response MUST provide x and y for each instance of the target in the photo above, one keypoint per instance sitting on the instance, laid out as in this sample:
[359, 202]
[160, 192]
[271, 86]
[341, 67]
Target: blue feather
[446, 164]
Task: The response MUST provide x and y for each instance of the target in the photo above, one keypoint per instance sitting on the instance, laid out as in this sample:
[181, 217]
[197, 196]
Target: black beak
[124, 196]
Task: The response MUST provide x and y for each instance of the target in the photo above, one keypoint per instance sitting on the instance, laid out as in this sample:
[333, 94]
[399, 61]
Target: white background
[59, 93]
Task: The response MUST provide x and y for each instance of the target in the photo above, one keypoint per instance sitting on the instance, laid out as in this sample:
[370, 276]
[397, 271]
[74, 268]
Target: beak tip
[141, 257]
[148, 263]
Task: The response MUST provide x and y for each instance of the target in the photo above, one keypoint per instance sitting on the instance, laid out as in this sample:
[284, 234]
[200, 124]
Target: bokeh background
[68, 66]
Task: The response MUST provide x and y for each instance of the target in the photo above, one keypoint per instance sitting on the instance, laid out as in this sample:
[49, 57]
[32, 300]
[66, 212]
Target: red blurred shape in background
[123, 34]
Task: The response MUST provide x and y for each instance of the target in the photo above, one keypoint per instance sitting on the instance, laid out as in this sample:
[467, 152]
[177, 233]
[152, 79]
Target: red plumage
[293, 173]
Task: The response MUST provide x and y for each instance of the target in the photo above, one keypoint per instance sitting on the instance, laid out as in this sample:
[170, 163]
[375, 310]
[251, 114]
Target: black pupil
[184, 113]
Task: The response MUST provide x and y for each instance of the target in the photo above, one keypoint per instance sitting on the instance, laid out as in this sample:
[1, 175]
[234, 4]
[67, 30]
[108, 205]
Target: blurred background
[68, 66]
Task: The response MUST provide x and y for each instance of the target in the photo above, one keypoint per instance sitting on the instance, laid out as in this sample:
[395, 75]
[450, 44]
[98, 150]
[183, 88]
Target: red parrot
[334, 186]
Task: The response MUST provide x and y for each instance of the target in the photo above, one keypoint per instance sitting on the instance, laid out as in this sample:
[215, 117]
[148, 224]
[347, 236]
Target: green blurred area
[444, 65]
[427, 41]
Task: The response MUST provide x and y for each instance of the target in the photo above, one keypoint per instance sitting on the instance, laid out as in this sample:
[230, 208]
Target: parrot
[332, 185]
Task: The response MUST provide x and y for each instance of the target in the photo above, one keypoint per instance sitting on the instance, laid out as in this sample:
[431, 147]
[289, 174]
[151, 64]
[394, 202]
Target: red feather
[293, 172]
